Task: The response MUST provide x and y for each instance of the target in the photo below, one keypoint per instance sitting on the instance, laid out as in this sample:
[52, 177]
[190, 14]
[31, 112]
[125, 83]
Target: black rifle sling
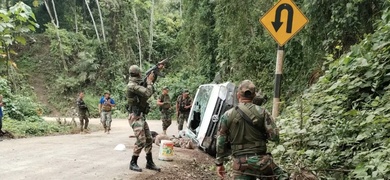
[247, 119]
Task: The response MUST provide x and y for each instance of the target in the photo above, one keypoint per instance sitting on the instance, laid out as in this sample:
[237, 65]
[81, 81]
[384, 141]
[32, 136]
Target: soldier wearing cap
[183, 107]
[248, 127]
[82, 110]
[164, 102]
[137, 97]
[105, 107]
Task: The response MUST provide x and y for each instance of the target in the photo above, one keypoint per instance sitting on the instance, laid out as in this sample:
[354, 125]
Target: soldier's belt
[245, 146]
[250, 155]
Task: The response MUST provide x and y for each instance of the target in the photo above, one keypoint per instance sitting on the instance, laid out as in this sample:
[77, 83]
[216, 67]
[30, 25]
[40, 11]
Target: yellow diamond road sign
[283, 21]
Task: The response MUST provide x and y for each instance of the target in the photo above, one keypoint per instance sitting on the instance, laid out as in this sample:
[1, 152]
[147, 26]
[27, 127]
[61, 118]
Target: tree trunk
[101, 20]
[7, 60]
[180, 9]
[55, 13]
[84, 15]
[48, 11]
[93, 20]
[57, 32]
[151, 31]
[138, 38]
[75, 23]
[75, 16]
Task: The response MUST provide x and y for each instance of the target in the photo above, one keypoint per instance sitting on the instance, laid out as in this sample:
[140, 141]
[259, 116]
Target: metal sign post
[282, 21]
[278, 81]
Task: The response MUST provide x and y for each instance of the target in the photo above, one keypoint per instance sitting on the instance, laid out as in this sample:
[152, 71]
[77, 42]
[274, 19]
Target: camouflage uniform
[183, 113]
[165, 110]
[248, 141]
[142, 133]
[82, 109]
[137, 97]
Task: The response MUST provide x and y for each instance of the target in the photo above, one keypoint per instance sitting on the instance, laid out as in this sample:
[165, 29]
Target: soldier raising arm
[137, 97]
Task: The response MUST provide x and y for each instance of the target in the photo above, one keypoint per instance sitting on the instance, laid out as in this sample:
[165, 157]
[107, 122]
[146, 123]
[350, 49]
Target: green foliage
[95, 67]
[339, 23]
[176, 82]
[226, 36]
[15, 22]
[198, 39]
[92, 103]
[339, 128]
[19, 107]
[21, 129]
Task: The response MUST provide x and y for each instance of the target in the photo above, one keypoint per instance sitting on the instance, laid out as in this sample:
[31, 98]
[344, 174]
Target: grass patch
[23, 129]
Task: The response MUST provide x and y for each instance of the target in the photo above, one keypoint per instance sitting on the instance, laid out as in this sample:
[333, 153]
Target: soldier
[105, 107]
[183, 107]
[248, 127]
[82, 110]
[164, 101]
[137, 97]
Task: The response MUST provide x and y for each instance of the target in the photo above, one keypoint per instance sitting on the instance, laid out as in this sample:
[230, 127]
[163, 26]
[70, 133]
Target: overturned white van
[210, 102]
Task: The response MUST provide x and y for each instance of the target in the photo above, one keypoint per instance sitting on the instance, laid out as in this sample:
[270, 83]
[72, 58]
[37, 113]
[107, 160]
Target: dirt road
[78, 156]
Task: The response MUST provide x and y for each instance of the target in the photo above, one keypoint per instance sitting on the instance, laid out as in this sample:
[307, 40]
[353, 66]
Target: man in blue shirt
[1, 114]
[105, 106]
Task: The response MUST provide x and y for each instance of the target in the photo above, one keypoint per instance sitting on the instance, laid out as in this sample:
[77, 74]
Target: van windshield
[201, 101]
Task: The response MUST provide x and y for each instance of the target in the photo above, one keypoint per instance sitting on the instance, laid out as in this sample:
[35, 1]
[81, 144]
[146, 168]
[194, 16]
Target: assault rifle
[156, 70]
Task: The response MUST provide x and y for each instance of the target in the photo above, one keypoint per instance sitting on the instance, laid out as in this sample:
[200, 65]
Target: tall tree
[151, 31]
[101, 20]
[54, 21]
[138, 37]
[93, 20]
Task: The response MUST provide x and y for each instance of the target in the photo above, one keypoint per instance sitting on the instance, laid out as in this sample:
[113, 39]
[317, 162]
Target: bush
[340, 126]
[19, 107]
[21, 129]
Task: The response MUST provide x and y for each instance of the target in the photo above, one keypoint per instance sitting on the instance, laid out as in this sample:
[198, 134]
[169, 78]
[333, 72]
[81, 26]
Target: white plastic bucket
[166, 151]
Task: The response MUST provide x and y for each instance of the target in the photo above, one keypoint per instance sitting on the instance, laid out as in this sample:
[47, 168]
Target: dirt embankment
[188, 164]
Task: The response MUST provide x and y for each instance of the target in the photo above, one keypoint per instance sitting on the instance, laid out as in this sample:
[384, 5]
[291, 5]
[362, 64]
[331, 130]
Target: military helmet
[134, 69]
[247, 89]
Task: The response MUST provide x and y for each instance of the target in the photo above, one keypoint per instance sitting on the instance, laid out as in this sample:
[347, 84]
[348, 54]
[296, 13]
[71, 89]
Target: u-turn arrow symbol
[277, 23]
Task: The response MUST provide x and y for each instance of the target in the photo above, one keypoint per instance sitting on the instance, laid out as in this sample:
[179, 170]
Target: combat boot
[150, 164]
[134, 165]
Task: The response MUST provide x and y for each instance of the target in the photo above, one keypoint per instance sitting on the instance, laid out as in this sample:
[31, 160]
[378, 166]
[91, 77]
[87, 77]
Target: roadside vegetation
[345, 133]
